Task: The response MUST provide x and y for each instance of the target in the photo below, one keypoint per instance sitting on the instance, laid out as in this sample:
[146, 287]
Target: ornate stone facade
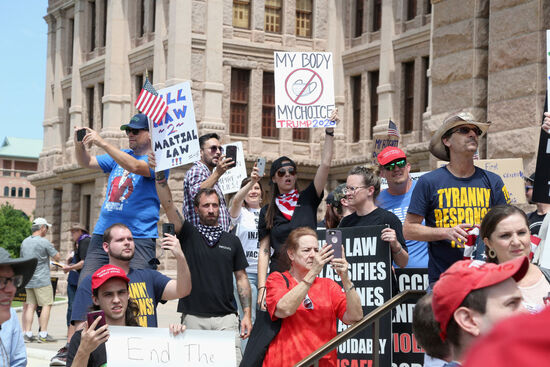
[412, 66]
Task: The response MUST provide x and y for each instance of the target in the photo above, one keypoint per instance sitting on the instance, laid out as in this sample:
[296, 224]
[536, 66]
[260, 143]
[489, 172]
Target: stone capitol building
[411, 61]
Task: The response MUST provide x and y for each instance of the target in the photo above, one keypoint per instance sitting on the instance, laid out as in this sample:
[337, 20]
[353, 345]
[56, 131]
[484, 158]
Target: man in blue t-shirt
[453, 198]
[147, 286]
[397, 197]
[131, 197]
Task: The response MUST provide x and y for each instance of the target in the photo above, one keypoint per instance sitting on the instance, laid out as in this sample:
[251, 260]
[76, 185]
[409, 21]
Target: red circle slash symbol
[304, 86]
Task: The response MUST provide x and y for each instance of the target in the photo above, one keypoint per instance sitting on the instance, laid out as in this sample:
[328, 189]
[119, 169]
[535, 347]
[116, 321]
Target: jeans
[253, 279]
[71, 291]
[96, 257]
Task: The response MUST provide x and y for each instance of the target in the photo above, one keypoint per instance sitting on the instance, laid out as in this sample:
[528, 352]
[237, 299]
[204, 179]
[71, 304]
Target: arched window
[20, 192]
[27, 192]
[6, 191]
[13, 191]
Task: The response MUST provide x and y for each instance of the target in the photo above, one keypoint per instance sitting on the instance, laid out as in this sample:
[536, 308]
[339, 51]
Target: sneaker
[60, 359]
[47, 339]
[29, 339]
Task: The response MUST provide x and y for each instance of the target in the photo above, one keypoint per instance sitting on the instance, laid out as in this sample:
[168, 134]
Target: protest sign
[414, 177]
[406, 351]
[150, 347]
[304, 89]
[370, 271]
[511, 172]
[175, 139]
[231, 180]
[381, 142]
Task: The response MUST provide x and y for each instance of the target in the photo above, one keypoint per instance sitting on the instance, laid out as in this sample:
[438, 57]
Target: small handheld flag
[392, 129]
[150, 103]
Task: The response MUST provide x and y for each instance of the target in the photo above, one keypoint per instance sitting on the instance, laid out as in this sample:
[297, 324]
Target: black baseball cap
[278, 163]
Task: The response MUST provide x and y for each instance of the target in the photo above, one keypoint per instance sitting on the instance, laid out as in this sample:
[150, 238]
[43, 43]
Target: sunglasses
[16, 280]
[391, 166]
[214, 148]
[466, 130]
[308, 304]
[282, 172]
[527, 188]
[133, 131]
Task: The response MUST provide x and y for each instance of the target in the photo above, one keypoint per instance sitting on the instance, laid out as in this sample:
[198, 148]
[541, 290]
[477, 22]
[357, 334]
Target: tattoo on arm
[244, 296]
[266, 251]
[161, 178]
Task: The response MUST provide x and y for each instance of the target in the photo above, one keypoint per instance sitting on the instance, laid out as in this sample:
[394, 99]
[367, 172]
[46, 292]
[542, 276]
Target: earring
[492, 253]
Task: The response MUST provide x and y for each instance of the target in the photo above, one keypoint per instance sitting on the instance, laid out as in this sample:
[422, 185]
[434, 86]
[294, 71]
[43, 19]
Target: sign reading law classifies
[175, 139]
[304, 89]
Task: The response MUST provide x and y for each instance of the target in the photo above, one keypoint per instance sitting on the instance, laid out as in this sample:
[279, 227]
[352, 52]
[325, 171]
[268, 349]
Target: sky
[23, 67]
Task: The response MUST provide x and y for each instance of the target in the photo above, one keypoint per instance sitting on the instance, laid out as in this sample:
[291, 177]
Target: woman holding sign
[289, 208]
[505, 231]
[309, 305]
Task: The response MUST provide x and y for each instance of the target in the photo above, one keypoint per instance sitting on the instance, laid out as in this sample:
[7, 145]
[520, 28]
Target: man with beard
[200, 176]
[130, 197]
[147, 287]
[454, 198]
[214, 257]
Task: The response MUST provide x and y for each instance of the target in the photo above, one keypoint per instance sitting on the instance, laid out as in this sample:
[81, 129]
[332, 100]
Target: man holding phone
[203, 176]
[131, 196]
[113, 305]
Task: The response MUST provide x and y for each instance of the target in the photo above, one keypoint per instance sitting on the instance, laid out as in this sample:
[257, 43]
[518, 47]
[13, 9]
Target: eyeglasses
[214, 148]
[466, 129]
[527, 188]
[352, 188]
[391, 166]
[282, 172]
[133, 131]
[308, 304]
[16, 280]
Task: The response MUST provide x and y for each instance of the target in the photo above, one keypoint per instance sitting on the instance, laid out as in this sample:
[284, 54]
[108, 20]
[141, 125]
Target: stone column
[289, 23]
[255, 112]
[257, 20]
[213, 75]
[49, 92]
[75, 110]
[179, 42]
[159, 61]
[117, 103]
[70, 210]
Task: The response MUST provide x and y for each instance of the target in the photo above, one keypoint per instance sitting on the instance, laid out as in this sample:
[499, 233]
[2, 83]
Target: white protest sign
[150, 347]
[304, 89]
[175, 139]
[414, 177]
[548, 69]
[231, 180]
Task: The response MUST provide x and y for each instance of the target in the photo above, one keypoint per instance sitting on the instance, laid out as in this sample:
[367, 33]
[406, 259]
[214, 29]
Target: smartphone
[80, 134]
[334, 238]
[168, 228]
[260, 163]
[231, 152]
[94, 315]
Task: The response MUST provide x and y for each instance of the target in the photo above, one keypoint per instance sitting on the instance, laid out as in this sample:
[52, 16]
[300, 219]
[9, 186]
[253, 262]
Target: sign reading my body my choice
[370, 271]
[175, 139]
[304, 89]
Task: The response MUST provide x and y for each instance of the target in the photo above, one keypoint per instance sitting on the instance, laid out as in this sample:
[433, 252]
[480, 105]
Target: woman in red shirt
[310, 305]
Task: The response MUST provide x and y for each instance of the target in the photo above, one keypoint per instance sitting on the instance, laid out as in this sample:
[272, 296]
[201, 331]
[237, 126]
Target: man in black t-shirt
[362, 187]
[214, 256]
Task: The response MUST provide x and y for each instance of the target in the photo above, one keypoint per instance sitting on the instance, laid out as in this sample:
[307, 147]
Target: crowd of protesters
[266, 259]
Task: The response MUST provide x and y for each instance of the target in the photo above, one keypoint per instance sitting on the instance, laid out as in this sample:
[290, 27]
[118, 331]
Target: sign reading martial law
[175, 139]
[304, 89]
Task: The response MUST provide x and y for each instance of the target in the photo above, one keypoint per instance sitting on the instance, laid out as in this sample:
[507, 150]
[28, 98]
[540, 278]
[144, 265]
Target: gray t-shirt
[41, 249]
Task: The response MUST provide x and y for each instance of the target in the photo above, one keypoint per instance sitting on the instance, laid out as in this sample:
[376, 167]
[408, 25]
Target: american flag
[149, 103]
[392, 129]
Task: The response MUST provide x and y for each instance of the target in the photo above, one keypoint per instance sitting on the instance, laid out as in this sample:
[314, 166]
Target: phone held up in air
[231, 152]
[260, 164]
[91, 316]
[80, 134]
[168, 228]
[334, 239]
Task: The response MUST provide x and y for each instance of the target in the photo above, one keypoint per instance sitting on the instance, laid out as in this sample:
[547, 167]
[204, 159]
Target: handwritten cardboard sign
[175, 139]
[150, 347]
[231, 180]
[304, 89]
[511, 172]
[381, 142]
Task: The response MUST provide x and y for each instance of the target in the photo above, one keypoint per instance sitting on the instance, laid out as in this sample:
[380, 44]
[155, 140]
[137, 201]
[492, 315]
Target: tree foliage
[14, 228]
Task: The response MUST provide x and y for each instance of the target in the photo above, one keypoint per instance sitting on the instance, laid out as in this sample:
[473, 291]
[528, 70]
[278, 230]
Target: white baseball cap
[41, 222]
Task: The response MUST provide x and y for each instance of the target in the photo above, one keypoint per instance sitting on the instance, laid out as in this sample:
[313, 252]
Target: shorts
[42, 296]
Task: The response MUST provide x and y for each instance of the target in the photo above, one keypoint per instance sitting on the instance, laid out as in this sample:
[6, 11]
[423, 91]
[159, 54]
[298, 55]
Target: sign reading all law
[304, 89]
[151, 347]
[175, 139]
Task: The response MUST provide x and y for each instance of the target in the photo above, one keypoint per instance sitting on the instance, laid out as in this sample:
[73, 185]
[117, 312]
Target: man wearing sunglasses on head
[454, 198]
[131, 197]
[397, 197]
[203, 176]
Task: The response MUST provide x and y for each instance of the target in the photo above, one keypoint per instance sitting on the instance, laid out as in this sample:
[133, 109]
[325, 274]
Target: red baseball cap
[390, 154]
[465, 276]
[105, 273]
